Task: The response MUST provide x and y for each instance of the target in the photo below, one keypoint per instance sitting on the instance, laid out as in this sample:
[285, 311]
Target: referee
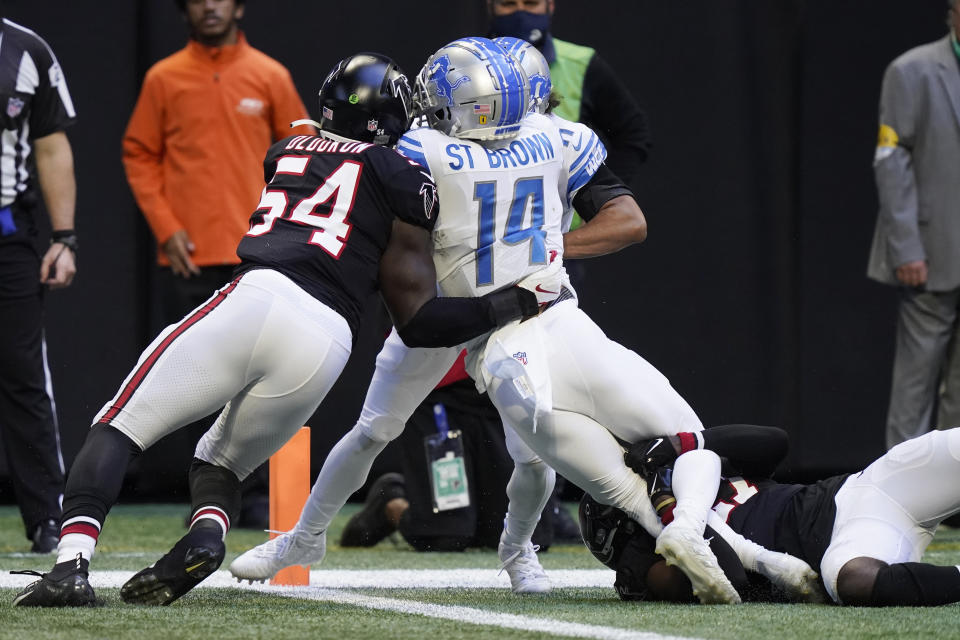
[35, 107]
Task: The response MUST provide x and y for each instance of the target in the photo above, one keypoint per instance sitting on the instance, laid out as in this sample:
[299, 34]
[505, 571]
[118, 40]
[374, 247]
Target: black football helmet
[600, 525]
[366, 97]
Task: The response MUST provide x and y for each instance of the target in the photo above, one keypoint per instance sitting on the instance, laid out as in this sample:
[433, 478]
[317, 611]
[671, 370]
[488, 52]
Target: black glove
[647, 456]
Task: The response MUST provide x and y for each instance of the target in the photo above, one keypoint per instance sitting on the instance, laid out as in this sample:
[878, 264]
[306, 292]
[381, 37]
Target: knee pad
[915, 452]
[380, 428]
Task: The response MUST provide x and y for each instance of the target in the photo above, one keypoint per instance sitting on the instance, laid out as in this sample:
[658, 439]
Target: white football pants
[595, 382]
[890, 510]
[262, 348]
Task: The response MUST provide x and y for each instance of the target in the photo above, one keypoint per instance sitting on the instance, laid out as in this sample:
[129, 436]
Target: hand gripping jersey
[504, 201]
[326, 213]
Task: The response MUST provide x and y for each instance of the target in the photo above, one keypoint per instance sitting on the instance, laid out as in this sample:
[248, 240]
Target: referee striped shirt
[34, 102]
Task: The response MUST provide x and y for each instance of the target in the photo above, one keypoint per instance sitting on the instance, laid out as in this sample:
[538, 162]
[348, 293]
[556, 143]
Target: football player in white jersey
[556, 379]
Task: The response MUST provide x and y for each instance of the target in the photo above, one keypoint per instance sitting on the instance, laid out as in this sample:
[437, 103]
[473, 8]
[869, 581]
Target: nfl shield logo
[14, 107]
[521, 357]
[372, 125]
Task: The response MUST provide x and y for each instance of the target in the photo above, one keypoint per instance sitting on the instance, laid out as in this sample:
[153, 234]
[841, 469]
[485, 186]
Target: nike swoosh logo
[539, 289]
[196, 566]
[654, 445]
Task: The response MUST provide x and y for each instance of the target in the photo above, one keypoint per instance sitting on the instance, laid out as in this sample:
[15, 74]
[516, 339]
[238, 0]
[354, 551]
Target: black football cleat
[370, 525]
[195, 556]
[46, 536]
[65, 586]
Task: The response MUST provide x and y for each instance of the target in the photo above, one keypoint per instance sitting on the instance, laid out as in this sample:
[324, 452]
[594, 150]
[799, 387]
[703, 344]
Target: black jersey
[326, 214]
[793, 518]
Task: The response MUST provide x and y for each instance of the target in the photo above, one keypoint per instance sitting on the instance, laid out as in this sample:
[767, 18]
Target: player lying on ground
[500, 176]
[342, 215]
[864, 532]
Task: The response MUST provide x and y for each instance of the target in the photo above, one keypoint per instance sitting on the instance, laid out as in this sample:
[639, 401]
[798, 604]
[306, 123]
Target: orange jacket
[194, 148]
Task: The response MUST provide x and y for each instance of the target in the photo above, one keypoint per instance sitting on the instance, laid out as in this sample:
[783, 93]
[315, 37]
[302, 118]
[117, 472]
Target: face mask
[532, 27]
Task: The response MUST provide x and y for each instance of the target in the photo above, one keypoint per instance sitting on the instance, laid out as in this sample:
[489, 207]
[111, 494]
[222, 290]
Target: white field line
[361, 579]
[469, 615]
[328, 585]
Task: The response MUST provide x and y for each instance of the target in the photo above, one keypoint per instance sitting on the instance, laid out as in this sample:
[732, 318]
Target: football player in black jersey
[865, 532]
[341, 215]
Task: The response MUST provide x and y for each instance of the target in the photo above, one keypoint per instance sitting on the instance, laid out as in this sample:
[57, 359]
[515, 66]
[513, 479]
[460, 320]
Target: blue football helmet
[535, 66]
[471, 88]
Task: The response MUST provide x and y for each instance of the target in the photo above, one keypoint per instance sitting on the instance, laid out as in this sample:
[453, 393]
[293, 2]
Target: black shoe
[65, 586]
[46, 537]
[370, 525]
[194, 557]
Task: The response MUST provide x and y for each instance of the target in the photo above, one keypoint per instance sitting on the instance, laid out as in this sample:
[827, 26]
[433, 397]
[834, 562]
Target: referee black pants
[28, 427]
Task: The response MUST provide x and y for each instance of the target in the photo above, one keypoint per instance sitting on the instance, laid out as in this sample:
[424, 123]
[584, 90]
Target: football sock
[915, 584]
[77, 535]
[528, 490]
[92, 488]
[344, 472]
[747, 551]
[215, 496]
[696, 477]
[727, 559]
[754, 450]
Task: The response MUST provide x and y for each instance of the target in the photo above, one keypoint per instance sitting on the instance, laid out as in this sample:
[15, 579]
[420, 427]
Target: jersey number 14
[527, 192]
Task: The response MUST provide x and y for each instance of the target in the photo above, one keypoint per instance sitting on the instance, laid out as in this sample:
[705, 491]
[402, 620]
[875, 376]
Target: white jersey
[502, 203]
[583, 153]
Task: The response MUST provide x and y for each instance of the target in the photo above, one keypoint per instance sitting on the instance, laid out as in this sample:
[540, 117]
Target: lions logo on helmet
[468, 72]
[534, 65]
[438, 75]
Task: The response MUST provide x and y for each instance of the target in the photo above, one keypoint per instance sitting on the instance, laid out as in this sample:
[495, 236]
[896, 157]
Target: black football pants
[27, 421]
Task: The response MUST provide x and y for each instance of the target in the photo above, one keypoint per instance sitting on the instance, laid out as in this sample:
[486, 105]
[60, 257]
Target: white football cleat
[792, 575]
[687, 549]
[523, 567]
[294, 547]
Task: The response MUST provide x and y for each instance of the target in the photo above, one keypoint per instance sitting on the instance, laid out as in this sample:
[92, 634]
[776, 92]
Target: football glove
[647, 456]
[546, 284]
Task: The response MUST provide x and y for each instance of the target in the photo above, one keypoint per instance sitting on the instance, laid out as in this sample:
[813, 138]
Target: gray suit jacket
[917, 167]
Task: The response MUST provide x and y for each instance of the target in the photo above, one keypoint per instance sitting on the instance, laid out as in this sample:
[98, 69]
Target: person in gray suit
[916, 244]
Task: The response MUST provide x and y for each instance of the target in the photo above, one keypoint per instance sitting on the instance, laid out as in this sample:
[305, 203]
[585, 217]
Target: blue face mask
[532, 27]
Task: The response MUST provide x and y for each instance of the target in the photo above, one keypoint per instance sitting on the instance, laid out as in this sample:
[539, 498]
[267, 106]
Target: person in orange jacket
[195, 142]
[193, 154]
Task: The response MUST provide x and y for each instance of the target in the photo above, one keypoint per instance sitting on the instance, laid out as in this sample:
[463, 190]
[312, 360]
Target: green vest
[566, 76]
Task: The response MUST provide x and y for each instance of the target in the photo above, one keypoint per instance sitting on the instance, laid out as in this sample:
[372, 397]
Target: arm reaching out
[408, 284]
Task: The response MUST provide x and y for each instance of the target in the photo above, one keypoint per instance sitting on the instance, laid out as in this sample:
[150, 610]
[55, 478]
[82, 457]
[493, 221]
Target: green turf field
[135, 536]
